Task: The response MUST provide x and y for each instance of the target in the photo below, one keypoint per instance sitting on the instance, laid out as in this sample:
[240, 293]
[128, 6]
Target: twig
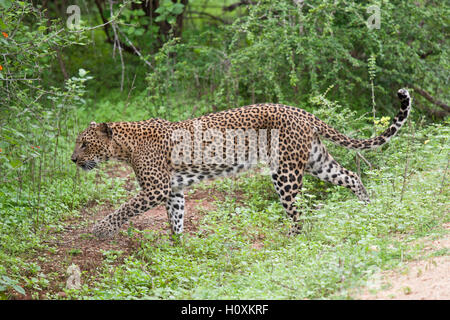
[105, 24]
[22, 79]
[117, 41]
[373, 107]
[358, 166]
[238, 4]
[284, 286]
[128, 97]
[364, 159]
[405, 173]
[444, 177]
[61, 64]
[206, 14]
[135, 50]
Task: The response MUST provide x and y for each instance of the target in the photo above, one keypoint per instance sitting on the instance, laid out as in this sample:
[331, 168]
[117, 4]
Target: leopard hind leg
[322, 165]
[288, 183]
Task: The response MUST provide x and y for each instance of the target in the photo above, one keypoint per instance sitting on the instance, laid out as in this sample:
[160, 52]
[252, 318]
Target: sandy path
[424, 279]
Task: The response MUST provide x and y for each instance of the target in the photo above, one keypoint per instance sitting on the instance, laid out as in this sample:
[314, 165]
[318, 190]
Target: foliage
[38, 122]
[168, 11]
[240, 250]
[281, 52]
[185, 58]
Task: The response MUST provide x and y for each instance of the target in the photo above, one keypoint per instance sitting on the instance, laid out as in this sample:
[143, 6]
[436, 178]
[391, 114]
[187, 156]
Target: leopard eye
[84, 144]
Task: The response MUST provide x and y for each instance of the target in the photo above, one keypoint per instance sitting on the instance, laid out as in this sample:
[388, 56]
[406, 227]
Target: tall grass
[40, 186]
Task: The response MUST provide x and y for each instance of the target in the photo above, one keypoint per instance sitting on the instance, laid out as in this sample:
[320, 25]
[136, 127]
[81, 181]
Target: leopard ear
[105, 130]
[92, 124]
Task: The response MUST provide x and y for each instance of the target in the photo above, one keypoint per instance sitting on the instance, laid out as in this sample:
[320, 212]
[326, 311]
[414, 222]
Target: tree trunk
[149, 7]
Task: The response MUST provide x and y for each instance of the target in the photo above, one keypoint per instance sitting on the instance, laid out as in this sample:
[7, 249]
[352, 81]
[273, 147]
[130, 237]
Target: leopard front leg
[175, 210]
[144, 201]
[155, 190]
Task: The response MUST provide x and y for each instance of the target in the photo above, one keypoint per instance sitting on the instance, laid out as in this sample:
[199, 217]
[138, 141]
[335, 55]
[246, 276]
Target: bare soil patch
[424, 279]
[76, 245]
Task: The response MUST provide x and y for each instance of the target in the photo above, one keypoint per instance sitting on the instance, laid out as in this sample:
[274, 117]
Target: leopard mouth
[88, 165]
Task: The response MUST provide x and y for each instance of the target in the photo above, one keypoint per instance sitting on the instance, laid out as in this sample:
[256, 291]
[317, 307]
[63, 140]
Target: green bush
[281, 52]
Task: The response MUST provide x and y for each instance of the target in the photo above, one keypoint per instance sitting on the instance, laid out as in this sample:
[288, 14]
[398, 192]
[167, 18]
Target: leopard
[170, 156]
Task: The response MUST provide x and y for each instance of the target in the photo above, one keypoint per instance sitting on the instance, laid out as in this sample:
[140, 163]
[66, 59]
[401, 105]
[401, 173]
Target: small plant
[8, 283]
[111, 255]
[74, 251]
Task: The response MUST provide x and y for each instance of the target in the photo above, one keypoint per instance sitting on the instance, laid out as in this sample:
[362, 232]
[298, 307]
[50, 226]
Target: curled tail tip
[403, 94]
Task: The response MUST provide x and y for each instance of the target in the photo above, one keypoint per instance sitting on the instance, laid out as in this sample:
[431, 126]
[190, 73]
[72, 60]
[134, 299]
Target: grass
[241, 250]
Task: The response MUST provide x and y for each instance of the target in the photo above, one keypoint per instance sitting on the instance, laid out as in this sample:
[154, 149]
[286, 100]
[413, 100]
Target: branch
[117, 41]
[135, 49]
[206, 14]
[21, 79]
[430, 98]
[364, 159]
[61, 64]
[105, 21]
[238, 4]
[431, 112]
[105, 26]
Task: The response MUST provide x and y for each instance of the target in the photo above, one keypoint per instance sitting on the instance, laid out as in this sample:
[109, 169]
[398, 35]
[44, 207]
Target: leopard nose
[74, 159]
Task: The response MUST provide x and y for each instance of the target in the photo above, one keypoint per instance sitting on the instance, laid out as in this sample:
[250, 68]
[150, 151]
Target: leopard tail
[332, 134]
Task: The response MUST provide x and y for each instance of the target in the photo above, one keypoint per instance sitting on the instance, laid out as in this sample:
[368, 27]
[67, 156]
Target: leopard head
[93, 146]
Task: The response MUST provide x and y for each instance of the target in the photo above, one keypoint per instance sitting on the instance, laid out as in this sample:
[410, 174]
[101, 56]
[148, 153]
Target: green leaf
[82, 72]
[139, 13]
[6, 4]
[131, 30]
[139, 32]
[160, 10]
[177, 8]
[15, 163]
[171, 20]
[19, 289]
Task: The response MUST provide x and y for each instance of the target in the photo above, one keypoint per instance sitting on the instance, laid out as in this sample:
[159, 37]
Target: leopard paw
[104, 230]
[295, 229]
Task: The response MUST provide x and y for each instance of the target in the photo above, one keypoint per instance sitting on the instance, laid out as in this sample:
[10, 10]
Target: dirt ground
[76, 245]
[422, 279]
